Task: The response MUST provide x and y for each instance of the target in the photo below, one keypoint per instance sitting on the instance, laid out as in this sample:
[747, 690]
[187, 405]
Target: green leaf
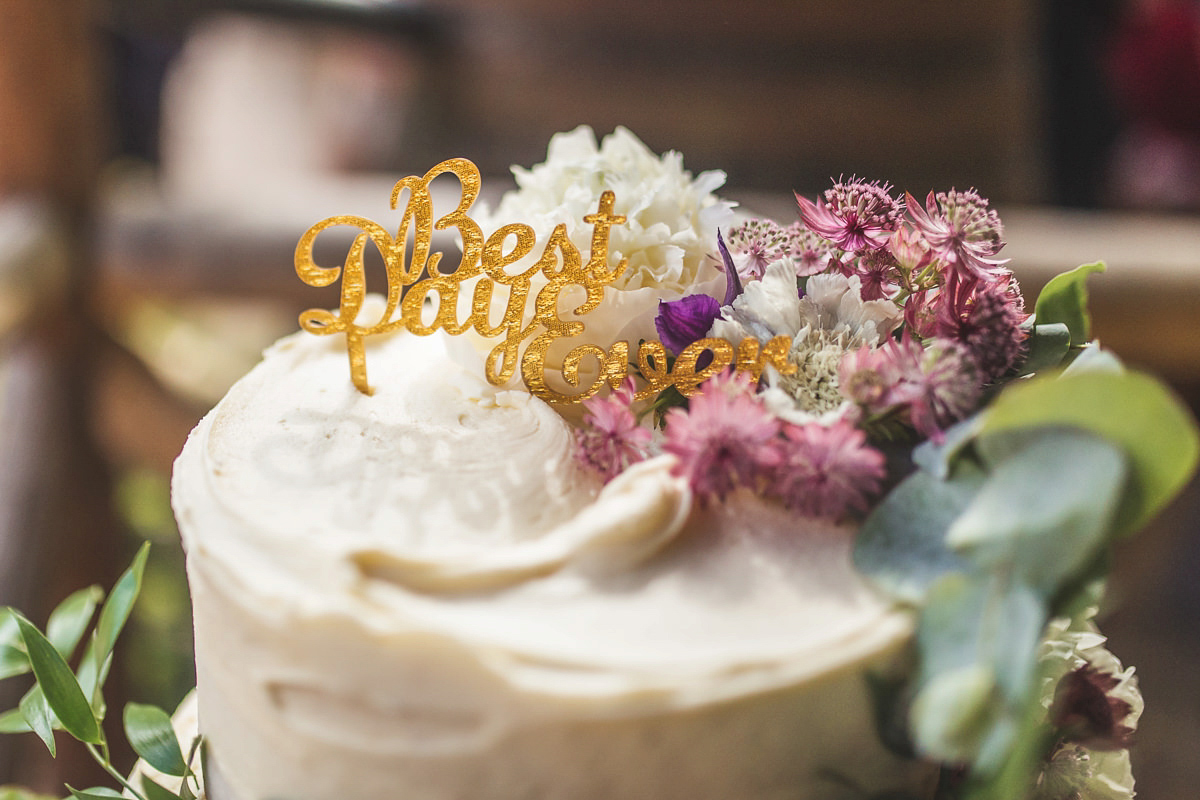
[149, 731]
[36, 713]
[95, 793]
[58, 684]
[1130, 409]
[13, 661]
[115, 614]
[10, 634]
[154, 791]
[901, 545]
[1045, 510]
[978, 637]
[69, 621]
[1094, 358]
[1064, 299]
[14, 722]
[1048, 345]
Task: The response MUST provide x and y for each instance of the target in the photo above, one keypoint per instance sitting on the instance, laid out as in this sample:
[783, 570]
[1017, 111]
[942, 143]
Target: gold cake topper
[412, 280]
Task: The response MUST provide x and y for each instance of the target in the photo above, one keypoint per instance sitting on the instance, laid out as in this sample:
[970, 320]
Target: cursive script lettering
[416, 285]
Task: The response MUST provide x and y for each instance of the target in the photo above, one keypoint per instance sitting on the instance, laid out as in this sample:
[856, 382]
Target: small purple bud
[686, 320]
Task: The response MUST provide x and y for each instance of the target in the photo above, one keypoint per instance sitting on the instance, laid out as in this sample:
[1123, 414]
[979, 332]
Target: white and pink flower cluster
[899, 313]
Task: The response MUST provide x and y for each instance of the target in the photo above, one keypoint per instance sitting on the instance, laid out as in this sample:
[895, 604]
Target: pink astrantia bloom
[878, 271]
[726, 438]
[990, 329]
[855, 215]
[756, 243]
[810, 251]
[611, 438]
[828, 471]
[962, 232]
[935, 385]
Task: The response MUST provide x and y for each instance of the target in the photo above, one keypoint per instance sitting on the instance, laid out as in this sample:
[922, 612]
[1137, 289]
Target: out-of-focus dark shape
[1155, 67]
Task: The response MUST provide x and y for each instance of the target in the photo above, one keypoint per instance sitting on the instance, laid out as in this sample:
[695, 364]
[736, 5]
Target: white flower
[830, 320]
[668, 238]
[1089, 774]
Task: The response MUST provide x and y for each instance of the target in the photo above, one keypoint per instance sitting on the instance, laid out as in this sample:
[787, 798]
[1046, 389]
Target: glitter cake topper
[411, 282]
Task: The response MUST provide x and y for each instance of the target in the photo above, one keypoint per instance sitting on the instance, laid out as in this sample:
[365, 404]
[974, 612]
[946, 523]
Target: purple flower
[611, 438]
[854, 215]
[962, 232]
[1087, 711]
[725, 439]
[828, 471]
[681, 322]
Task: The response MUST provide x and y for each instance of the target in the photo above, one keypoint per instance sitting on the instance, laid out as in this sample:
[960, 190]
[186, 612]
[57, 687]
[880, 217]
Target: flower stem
[106, 764]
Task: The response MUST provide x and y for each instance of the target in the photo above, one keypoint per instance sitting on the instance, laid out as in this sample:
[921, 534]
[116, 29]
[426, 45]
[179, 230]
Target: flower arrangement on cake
[867, 375]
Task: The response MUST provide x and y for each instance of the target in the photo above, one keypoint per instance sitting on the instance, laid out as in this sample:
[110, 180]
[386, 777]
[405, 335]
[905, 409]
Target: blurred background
[160, 158]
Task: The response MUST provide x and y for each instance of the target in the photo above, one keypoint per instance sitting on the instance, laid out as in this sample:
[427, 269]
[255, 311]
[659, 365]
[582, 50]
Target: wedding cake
[456, 582]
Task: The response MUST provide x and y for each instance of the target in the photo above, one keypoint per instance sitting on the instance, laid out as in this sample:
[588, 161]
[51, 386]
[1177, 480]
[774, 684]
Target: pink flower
[810, 251]
[725, 439]
[962, 232]
[611, 438]
[877, 270]
[854, 215]
[935, 385]
[828, 471]
[990, 329]
[755, 244]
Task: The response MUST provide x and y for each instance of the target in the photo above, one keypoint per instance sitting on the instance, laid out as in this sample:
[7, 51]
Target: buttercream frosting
[420, 593]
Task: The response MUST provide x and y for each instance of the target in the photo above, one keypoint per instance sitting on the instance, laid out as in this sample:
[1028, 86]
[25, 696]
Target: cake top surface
[445, 504]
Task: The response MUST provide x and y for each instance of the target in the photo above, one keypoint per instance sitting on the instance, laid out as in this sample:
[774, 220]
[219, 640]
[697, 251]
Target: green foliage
[1006, 524]
[1064, 300]
[149, 731]
[60, 688]
[70, 619]
[1049, 344]
[1132, 410]
[73, 701]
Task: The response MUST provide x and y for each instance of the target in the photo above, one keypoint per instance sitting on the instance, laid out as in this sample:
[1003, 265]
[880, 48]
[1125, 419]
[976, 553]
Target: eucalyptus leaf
[13, 661]
[36, 713]
[1064, 299]
[1130, 409]
[149, 731]
[70, 619]
[939, 458]
[13, 722]
[1048, 345]
[1045, 509]
[58, 684]
[115, 613]
[1094, 358]
[901, 545]
[154, 791]
[953, 712]
[95, 793]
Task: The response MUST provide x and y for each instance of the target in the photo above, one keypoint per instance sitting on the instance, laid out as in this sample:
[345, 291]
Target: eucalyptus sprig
[72, 700]
[1006, 525]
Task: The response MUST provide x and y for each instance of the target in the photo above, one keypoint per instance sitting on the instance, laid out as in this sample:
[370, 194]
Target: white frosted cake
[418, 575]
[420, 594]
